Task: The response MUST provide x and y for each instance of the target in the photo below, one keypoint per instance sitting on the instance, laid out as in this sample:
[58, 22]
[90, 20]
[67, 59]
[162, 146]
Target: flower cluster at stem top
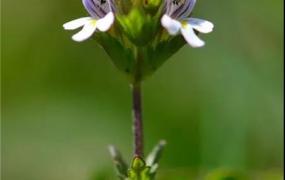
[141, 21]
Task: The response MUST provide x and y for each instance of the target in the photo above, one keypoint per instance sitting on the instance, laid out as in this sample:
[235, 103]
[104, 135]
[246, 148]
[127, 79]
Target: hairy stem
[137, 119]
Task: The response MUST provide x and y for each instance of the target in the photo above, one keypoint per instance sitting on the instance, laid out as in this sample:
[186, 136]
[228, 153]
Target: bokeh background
[219, 107]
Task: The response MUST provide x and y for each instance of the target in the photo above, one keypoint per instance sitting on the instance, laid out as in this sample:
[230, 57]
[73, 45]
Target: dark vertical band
[137, 120]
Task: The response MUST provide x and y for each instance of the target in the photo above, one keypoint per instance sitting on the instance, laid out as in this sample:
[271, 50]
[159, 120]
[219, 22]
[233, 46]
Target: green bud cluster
[136, 43]
[138, 169]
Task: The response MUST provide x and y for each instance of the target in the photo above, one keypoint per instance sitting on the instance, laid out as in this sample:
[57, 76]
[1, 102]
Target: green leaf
[155, 154]
[120, 165]
[121, 56]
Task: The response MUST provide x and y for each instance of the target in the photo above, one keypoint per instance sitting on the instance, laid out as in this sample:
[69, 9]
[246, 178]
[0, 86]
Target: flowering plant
[139, 36]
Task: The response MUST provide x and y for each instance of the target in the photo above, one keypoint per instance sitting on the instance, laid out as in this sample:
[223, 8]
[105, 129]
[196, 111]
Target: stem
[137, 120]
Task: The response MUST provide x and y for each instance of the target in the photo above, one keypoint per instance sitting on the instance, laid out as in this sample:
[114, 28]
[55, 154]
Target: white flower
[175, 21]
[102, 18]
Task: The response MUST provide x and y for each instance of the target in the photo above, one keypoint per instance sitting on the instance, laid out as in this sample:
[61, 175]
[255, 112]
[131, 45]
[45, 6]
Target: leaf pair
[139, 168]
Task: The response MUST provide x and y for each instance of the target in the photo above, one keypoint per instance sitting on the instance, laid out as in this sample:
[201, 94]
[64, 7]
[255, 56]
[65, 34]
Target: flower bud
[138, 164]
[152, 5]
[138, 26]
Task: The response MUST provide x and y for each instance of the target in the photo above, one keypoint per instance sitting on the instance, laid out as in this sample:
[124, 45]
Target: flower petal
[171, 25]
[74, 24]
[106, 22]
[190, 36]
[201, 25]
[98, 8]
[86, 32]
[179, 9]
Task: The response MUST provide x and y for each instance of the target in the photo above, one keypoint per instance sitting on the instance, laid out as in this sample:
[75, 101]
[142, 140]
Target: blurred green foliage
[218, 107]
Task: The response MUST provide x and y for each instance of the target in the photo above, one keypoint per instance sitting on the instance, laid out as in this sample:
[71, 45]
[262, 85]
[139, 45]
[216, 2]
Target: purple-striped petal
[98, 8]
[179, 9]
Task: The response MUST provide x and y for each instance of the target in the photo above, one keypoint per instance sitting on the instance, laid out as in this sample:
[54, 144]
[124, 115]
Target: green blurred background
[219, 107]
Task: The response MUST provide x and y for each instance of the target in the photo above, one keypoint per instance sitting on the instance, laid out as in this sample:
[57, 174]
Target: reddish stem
[137, 120]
